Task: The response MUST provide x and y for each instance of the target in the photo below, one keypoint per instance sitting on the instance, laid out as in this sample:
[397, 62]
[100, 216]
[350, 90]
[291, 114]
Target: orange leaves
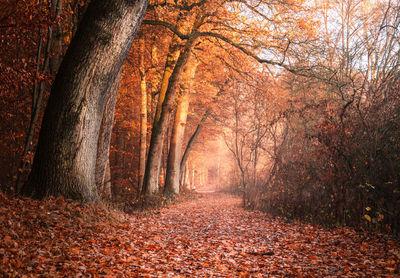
[75, 250]
[7, 240]
[212, 236]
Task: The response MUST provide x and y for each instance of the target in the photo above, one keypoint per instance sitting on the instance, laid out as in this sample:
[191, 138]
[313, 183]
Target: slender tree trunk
[38, 91]
[150, 185]
[65, 160]
[107, 187]
[192, 140]
[103, 146]
[153, 178]
[143, 115]
[196, 133]
[218, 174]
[186, 181]
[55, 61]
[178, 131]
[174, 155]
[193, 175]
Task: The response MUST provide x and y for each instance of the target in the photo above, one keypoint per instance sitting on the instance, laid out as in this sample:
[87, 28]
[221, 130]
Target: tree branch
[249, 53]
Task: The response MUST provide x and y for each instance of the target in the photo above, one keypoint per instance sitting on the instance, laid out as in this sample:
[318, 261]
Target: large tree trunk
[178, 132]
[103, 147]
[65, 160]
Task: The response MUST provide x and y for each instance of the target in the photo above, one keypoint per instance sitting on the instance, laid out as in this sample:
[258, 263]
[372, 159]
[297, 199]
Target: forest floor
[211, 236]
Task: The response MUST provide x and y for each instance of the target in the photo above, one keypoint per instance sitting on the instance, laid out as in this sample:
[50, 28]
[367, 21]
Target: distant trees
[335, 155]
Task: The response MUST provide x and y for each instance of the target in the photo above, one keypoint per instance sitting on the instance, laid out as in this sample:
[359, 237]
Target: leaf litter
[212, 236]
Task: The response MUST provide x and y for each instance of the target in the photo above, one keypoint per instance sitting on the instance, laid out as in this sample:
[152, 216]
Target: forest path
[215, 236]
[212, 236]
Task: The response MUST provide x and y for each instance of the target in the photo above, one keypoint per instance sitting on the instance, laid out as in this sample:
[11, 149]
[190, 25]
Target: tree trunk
[178, 132]
[192, 140]
[65, 160]
[103, 147]
[107, 180]
[38, 90]
[174, 155]
[150, 185]
[55, 61]
[153, 178]
[185, 184]
[143, 116]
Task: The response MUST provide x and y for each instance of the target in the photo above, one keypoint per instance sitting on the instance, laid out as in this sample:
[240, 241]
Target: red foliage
[212, 236]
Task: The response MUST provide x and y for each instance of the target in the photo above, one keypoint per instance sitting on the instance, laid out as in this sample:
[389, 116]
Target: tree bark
[65, 160]
[38, 91]
[143, 115]
[107, 186]
[174, 155]
[196, 133]
[178, 132]
[103, 146]
[153, 178]
[150, 185]
[55, 61]
[192, 140]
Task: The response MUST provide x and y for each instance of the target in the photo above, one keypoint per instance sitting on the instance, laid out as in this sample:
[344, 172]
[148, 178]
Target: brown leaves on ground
[212, 236]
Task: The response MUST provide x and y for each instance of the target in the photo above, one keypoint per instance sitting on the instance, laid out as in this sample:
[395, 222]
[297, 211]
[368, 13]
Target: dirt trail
[209, 237]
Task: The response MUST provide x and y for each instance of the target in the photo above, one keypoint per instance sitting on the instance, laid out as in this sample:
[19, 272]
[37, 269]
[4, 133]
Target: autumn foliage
[211, 236]
[33, 37]
[292, 105]
[332, 138]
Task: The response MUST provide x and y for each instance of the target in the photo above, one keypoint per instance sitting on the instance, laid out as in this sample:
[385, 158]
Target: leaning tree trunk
[178, 132]
[153, 178]
[150, 184]
[65, 160]
[192, 140]
[196, 133]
